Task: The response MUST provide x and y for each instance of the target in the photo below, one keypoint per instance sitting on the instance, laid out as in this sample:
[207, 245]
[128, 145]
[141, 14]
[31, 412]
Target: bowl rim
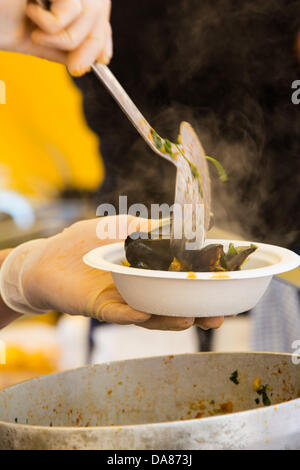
[288, 260]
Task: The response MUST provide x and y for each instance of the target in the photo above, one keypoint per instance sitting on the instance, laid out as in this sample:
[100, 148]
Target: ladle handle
[122, 98]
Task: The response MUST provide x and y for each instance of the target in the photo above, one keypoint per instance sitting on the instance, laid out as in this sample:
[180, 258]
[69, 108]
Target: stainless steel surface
[157, 403]
[128, 107]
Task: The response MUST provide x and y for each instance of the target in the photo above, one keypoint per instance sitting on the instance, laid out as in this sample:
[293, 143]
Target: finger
[110, 307]
[207, 323]
[158, 322]
[107, 53]
[122, 314]
[69, 38]
[80, 60]
[62, 13]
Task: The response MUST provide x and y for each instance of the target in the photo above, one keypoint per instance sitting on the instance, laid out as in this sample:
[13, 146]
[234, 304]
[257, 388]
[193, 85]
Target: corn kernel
[257, 384]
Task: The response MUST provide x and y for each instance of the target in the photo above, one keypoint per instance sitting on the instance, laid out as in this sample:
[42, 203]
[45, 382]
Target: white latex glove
[49, 274]
[74, 32]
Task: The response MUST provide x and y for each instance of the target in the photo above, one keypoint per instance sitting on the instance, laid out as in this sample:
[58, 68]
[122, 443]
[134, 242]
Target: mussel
[207, 259]
[149, 253]
[145, 252]
[236, 256]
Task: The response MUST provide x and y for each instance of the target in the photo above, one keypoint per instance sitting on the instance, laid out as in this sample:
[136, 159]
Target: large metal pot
[152, 404]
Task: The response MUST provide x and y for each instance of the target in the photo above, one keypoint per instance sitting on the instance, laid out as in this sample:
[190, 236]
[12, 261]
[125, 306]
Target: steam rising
[243, 54]
[226, 67]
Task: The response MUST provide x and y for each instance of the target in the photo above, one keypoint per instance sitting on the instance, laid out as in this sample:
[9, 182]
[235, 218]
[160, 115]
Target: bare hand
[73, 32]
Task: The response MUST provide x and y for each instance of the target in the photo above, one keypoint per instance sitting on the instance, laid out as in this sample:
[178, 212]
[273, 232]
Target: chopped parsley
[257, 401]
[219, 168]
[168, 147]
[234, 377]
[156, 139]
[165, 146]
[263, 392]
[231, 250]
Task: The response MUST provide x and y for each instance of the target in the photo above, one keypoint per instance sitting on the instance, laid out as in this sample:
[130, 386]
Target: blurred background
[50, 171]
[44, 186]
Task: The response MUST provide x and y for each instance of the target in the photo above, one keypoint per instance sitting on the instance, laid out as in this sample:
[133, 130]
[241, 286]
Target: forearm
[6, 314]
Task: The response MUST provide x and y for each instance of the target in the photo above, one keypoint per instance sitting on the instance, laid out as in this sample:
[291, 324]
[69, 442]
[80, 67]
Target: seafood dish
[145, 252]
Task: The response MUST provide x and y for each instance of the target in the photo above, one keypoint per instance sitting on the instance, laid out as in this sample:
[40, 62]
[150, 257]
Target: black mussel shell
[136, 236]
[145, 252]
[204, 260]
[149, 254]
[235, 261]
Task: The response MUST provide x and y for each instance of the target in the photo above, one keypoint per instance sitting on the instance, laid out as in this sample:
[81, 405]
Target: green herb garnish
[16, 420]
[263, 392]
[234, 377]
[219, 167]
[257, 401]
[156, 139]
[168, 147]
[231, 250]
[165, 146]
[235, 257]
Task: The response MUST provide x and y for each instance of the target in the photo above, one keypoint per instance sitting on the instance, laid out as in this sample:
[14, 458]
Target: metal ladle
[192, 180]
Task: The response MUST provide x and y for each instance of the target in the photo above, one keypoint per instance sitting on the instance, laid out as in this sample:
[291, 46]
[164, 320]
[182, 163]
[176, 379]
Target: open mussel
[148, 253]
[236, 256]
[204, 260]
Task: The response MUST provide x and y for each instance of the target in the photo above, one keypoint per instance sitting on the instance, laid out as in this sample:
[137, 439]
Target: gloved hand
[6, 314]
[49, 274]
[74, 32]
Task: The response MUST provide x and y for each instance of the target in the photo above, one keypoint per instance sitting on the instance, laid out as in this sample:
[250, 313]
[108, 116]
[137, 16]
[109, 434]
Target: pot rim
[262, 409]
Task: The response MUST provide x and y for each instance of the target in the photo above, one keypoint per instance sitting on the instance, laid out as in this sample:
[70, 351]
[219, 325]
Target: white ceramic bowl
[209, 294]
